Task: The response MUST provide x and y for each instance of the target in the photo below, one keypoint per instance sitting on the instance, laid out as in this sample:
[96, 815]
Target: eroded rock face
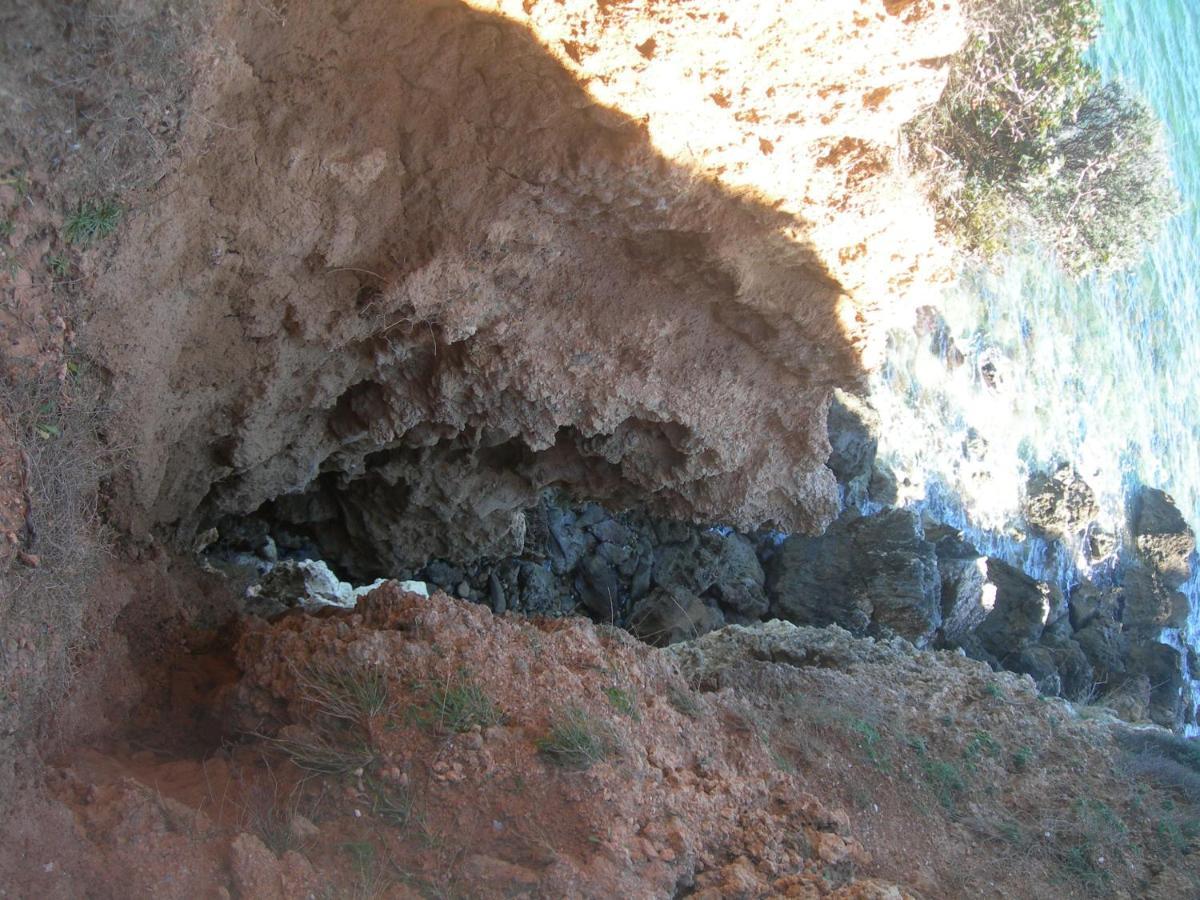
[409, 281]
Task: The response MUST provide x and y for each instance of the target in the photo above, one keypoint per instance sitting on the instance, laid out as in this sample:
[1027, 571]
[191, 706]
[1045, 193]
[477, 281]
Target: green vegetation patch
[92, 221]
[461, 705]
[577, 741]
[1027, 144]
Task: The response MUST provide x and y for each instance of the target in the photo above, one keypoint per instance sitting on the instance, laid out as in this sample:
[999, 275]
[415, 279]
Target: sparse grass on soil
[577, 740]
[92, 221]
[461, 704]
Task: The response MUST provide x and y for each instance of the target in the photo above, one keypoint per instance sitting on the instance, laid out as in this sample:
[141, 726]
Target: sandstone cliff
[419, 259]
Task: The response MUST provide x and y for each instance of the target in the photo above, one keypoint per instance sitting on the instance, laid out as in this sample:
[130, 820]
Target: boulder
[873, 574]
[1150, 603]
[1059, 503]
[598, 588]
[814, 581]
[1162, 664]
[1077, 679]
[670, 615]
[1163, 539]
[1106, 648]
[738, 589]
[1020, 609]
[962, 573]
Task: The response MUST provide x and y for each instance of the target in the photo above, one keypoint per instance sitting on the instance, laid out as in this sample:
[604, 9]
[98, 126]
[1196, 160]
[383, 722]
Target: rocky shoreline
[879, 571]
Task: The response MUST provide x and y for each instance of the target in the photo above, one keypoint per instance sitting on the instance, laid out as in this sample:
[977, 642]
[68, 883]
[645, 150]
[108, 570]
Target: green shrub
[1026, 143]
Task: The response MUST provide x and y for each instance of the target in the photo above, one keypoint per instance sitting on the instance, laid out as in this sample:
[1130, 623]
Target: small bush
[92, 221]
[576, 741]
[1027, 144]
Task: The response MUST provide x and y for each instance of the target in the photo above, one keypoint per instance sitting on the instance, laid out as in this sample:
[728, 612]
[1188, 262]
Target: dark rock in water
[1099, 544]
[853, 438]
[872, 574]
[1162, 538]
[1060, 503]
[1150, 604]
[961, 570]
[670, 615]
[1163, 666]
[1019, 612]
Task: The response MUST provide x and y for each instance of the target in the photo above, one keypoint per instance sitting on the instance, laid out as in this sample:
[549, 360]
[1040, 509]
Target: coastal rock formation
[872, 574]
[401, 284]
[1059, 503]
[1163, 539]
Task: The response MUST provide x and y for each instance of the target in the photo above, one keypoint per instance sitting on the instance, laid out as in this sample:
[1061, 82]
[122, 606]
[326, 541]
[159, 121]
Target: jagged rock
[1163, 539]
[1039, 664]
[874, 573]
[541, 592]
[1060, 503]
[1150, 604]
[1076, 675]
[692, 564]
[810, 581]
[1019, 613]
[883, 488]
[1163, 666]
[599, 589]
[962, 572]
[672, 614]
[739, 586]
[1105, 646]
[310, 584]
[1099, 544]
[1131, 699]
[853, 438]
[1088, 601]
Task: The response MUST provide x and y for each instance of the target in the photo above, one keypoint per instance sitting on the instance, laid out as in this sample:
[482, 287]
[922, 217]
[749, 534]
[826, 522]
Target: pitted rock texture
[420, 259]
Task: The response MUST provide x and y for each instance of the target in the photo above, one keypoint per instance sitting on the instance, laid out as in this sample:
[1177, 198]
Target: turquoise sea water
[1104, 373]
